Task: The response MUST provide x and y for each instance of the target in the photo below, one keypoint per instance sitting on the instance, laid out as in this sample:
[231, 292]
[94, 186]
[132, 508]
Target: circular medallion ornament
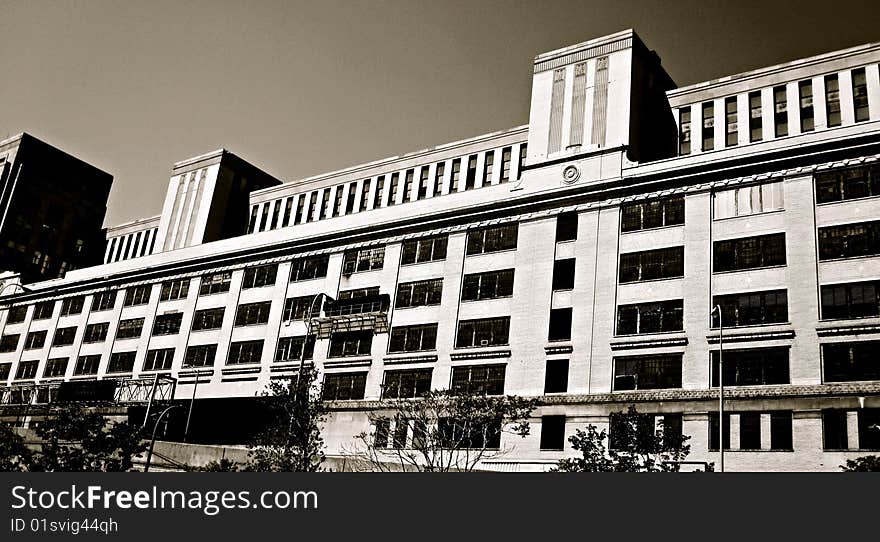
[570, 174]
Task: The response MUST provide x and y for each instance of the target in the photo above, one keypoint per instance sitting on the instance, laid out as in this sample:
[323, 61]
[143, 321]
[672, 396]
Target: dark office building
[52, 207]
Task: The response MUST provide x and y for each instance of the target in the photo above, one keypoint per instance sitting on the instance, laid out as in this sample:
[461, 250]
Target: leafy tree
[867, 463]
[441, 431]
[291, 440]
[638, 447]
[15, 456]
[224, 465]
[79, 440]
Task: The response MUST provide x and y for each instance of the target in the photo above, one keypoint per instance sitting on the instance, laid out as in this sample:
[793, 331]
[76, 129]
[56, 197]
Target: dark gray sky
[299, 88]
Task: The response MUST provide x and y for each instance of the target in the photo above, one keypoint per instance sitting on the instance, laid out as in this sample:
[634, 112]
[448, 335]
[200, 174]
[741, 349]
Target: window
[251, 314]
[483, 332]
[780, 431]
[300, 207]
[344, 386]
[556, 376]
[35, 340]
[365, 195]
[55, 367]
[288, 210]
[121, 362]
[423, 183]
[427, 249]
[684, 130]
[5, 371]
[216, 283]
[708, 126]
[252, 223]
[167, 324]
[860, 95]
[834, 430]
[655, 317]
[647, 215]
[43, 310]
[756, 125]
[377, 197]
[567, 226]
[832, 100]
[297, 308]
[869, 428]
[844, 184]
[257, 277]
[392, 189]
[438, 178]
[313, 207]
[560, 325]
[380, 437]
[159, 359]
[645, 424]
[730, 121]
[245, 352]
[72, 305]
[754, 308]
[470, 178]
[752, 367]
[506, 158]
[64, 336]
[466, 433]
[137, 295]
[780, 111]
[351, 343]
[337, 200]
[563, 274]
[487, 168]
[17, 314]
[851, 362]
[419, 294]
[200, 356]
[849, 240]
[325, 203]
[264, 217]
[408, 185]
[748, 200]
[345, 295]
[312, 267]
[27, 369]
[96, 333]
[174, 289]
[488, 285]
[853, 300]
[413, 338]
[750, 431]
[103, 301]
[365, 259]
[206, 319]
[291, 348]
[406, 383]
[130, 329]
[655, 264]
[805, 93]
[87, 365]
[479, 379]
[651, 372]
[456, 175]
[492, 239]
[9, 343]
[749, 252]
[521, 164]
[552, 432]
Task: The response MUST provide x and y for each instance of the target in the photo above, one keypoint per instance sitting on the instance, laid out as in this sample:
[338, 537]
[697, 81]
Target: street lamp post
[153, 439]
[720, 387]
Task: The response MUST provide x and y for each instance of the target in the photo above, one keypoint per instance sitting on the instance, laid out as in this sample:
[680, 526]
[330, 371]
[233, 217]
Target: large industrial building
[576, 259]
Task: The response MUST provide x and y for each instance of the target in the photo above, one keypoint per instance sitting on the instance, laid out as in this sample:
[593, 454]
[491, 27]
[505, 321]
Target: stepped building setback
[576, 259]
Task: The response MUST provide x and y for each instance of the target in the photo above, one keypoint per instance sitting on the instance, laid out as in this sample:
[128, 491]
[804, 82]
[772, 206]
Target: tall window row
[480, 169]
